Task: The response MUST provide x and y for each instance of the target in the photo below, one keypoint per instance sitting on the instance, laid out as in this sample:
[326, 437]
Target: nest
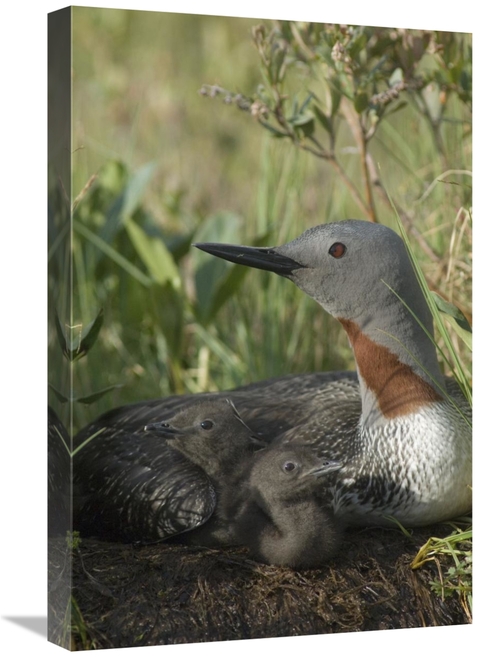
[126, 595]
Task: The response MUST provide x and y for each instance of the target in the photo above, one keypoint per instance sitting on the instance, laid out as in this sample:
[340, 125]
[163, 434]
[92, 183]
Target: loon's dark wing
[134, 487]
[269, 407]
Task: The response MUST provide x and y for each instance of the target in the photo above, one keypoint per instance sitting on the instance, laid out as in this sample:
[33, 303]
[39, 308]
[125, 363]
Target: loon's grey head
[349, 267]
[361, 274]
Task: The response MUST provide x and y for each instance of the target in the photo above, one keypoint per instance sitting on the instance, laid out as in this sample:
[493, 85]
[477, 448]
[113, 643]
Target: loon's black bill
[167, 430]
[252, 256]
[324, 469]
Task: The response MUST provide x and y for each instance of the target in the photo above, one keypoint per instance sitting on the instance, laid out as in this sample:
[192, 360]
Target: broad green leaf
[264, 95]
[341, 85]
[169, 305]
[127, 202]
[62, 398]
[112, 176]
[231, 282]
[357, 42]
[61, 335]
[136, 187]
[210, 271]
[113, 254]
[76, 347]
[301, 118]
[216, 279]
[179, 245]
[305, 104]
[322, 118]
[277, 67]
[226, 288]
[87, 399]
[278, 134]
[396, 76]
[306, 128]
[154, 254]
[303, 123]
[336, 97]
[90, 332]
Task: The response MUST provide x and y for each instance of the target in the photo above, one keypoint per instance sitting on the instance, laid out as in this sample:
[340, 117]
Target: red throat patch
[399, 390]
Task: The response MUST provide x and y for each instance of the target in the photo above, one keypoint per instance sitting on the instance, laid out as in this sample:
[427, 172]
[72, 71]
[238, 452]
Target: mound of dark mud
[125, 595]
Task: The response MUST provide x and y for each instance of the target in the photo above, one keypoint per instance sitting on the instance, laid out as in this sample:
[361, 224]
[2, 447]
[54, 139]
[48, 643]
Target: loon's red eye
[337, 249]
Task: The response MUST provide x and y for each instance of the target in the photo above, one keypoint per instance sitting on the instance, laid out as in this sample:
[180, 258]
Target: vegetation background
[157, 166]
[193, 128]
[18, 332]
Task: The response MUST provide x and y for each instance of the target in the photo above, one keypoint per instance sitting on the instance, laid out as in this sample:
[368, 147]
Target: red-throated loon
[399, 431]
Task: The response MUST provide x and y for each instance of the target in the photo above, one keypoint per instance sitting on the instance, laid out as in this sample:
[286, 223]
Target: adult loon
[399, 431]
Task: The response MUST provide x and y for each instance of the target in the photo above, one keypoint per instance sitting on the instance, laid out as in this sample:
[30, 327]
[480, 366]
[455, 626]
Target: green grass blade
[113, 254]
[155, 255]
[458, 369]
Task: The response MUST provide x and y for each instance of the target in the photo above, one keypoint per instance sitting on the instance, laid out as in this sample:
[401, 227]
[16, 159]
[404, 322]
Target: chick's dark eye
[207, 424]
[289, 466]
[337, 249]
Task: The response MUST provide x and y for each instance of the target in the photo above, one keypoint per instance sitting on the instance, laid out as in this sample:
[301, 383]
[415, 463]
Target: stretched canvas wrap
[174, 521]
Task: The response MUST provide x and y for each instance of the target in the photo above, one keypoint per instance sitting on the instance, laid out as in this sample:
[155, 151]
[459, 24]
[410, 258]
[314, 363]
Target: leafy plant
[454, 579]
[76, 347]
[318, 80]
